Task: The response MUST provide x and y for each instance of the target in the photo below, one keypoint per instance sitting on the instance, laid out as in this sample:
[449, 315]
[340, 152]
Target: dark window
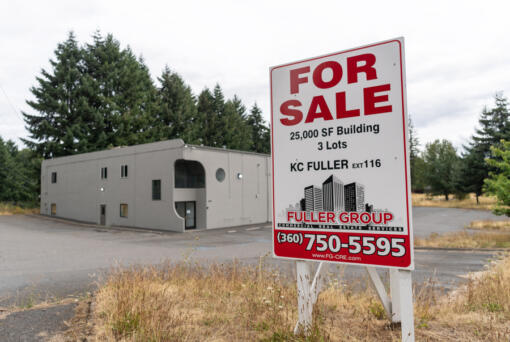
[124, 171]
[123, 210]
[53, 177]
[104, 173]
[156, 189]
[189, 174]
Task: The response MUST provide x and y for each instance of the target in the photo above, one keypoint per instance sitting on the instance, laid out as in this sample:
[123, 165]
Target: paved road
[41, 255]
[443, 220]
[43, 258]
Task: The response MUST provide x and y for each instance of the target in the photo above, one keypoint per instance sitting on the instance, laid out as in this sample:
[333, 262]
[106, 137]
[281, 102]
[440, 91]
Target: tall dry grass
[230, 302]
[424, 200]
[491, 225]
[11, 209]
[464, 239]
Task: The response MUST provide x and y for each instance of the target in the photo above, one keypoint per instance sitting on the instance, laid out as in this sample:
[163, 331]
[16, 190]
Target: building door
[187, 210]
[102, 219]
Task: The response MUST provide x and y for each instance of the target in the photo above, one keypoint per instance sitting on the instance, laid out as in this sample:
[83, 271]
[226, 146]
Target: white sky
[457, 52]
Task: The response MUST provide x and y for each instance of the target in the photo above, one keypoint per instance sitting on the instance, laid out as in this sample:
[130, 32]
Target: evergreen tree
[177, 110]
[122, 95]
[93, 97]
[58, 126]
[218, 118]
[494, 127]
[417, 164]
[237, 134]
[206, 118]
[441, 164]
[498, 183]
[260, 133]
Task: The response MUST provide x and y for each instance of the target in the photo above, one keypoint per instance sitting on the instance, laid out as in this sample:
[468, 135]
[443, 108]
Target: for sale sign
[341, 186]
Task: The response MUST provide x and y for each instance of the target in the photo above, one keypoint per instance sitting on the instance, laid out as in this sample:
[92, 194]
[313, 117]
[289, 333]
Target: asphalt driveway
[45, 259]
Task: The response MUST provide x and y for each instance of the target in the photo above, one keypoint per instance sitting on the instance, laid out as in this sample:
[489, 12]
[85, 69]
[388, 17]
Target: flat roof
[136, 149]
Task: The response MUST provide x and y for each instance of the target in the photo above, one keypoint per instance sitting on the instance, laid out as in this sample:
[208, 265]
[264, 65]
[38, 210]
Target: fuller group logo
[340, 161]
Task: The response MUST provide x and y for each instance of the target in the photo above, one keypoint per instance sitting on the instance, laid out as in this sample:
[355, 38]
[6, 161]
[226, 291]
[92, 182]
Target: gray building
[333, 194]
[165, 185]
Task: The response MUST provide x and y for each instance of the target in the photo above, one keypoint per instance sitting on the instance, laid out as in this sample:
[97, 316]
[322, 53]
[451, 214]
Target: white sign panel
[340, 158]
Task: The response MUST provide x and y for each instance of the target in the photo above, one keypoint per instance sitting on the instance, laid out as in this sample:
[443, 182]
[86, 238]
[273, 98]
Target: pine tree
[260, 133]
[498, 182]
[206, 118]
[218, 118]
[211, 112]
[92, 98]
[417, 164]
[494, 127]
[177, 110]
[58, 126]
[122, 95]
[236, 129]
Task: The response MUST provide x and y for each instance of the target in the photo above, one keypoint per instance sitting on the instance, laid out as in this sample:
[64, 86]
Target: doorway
[102, 215]
[187, 210]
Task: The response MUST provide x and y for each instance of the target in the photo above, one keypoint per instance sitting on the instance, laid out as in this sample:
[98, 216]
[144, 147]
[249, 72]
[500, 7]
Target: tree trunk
[477, 198]
[446, 196]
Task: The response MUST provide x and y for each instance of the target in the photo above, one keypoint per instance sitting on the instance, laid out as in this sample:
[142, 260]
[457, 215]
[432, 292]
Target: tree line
[440, 170]
[98, 95]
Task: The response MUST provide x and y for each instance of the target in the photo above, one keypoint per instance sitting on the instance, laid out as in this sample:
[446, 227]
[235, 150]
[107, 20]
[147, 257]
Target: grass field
[424, 200]
[186, 302]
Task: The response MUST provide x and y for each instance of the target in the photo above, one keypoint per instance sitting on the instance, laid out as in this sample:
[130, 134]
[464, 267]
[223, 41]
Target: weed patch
[189, 302]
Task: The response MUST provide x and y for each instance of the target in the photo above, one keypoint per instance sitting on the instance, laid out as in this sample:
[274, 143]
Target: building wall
[233, 202]
[78, 194]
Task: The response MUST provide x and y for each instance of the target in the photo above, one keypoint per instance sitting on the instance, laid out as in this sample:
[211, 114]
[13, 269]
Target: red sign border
[404, 124]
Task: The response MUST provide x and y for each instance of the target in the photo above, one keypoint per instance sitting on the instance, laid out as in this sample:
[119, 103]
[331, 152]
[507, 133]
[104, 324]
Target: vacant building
[164, 185]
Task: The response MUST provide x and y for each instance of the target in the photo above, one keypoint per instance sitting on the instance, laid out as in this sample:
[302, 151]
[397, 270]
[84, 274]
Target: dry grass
[9, 209]
[424, 200]
[185, 302]
[464, 239]
[490, 225]
[492, 234]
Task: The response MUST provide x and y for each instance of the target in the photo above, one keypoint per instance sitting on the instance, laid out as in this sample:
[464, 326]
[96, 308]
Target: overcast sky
[457, 52]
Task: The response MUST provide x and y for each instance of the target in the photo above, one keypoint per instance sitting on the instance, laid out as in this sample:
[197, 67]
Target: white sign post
[341, 185]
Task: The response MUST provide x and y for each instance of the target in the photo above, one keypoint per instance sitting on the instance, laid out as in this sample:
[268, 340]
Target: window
[220, 175]
[104, 173]
[53, 209]
[53, 177]
[189, 174]
[123, 171]
[123, 210]
[156, 189]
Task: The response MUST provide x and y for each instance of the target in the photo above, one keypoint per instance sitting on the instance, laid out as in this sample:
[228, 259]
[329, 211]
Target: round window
[220, 175]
